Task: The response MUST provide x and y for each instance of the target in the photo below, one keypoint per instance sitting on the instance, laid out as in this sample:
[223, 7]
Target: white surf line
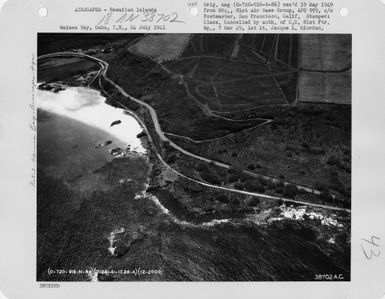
[225, 166]
[220, 164]
[144, 195]
[225, 188]
[111, 239]
[294, 213]
[164, 138]
[252, 193]
[93, 275]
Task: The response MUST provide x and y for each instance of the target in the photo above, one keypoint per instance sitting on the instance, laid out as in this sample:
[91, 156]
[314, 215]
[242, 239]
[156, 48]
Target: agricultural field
[339, 91]
[242, 165]
[176, 107]
[230, 85]
[161, 47]
[230, 108]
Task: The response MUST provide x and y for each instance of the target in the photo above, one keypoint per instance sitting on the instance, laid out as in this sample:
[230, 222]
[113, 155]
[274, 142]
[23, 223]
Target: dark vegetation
[254, 185]
[308, 132]
[254, 201]
[177, 112]
[307, 144]
[290, 191]
[241, 179]
[73, 234]
[211, 176]
[64, 72]
[288, 234]
[56, 42]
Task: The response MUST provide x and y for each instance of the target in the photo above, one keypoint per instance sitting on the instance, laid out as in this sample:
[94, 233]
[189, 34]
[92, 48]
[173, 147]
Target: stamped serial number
[328, 277]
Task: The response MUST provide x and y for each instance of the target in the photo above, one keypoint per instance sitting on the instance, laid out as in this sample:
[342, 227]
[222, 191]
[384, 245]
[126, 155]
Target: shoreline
[102, 75]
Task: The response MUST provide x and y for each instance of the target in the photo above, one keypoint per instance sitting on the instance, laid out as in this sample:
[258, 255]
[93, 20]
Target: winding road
[103, 74]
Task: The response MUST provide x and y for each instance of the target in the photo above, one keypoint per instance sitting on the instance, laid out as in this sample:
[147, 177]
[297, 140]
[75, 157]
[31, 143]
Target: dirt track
[103, 74]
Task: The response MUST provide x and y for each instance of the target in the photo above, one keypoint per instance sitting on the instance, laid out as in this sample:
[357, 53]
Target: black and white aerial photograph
[193, 157]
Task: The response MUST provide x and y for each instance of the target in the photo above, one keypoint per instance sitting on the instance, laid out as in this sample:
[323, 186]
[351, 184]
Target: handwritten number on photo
[369, 248]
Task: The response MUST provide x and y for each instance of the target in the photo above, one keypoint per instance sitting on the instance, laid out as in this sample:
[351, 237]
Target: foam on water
[88, 106]
[300, 213]
[144, 195]
[112, 238]
[215, 222]
[93, 275]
